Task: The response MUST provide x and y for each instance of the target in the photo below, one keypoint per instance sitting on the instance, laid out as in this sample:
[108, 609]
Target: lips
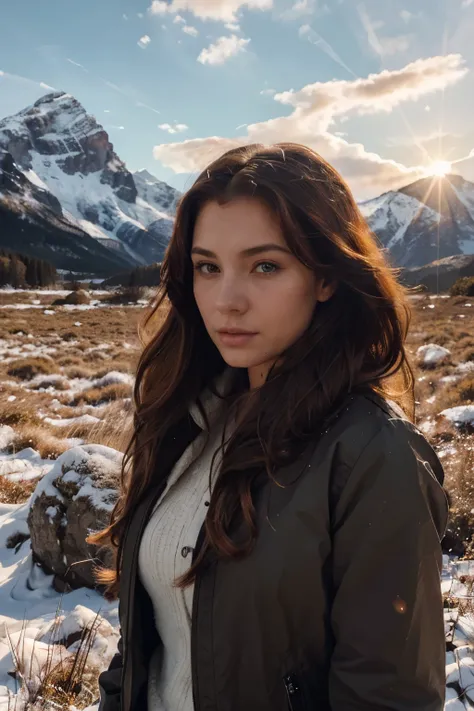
[236, 332]
[235, 337]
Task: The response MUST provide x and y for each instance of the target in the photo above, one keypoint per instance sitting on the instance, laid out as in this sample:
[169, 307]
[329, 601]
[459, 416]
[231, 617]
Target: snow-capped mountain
[65, 179]
[428, 220]
[32, 222]
[66, 152]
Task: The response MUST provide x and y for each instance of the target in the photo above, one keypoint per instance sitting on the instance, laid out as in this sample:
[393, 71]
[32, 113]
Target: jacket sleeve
[387, 611]
[110, 682]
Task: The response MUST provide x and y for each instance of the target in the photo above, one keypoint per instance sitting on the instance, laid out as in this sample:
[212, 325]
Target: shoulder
[371, 452]
[369, 428]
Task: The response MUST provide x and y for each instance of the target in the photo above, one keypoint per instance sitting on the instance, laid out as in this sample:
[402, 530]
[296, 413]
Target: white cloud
[268, 92]
[47, 86]
[125, 17]
[158, 7]
[383, 46]
[176, 128]
[223, 49]
[118, 128]
[406, 15]
[223, 10]
[2, 73]
[163, 27]
[190, 30]
[144, 41]
[106, 111]
[427, 108]
[179, 19]
[316, 8]
[315, 108]
[140, 15]
[393, 45]
[466, 3]
[232, 26]
[377, 92]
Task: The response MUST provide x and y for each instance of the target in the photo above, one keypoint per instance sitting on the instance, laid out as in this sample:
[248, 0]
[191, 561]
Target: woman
[278, 536]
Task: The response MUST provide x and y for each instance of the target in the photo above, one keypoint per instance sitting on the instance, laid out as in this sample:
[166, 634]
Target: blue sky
[382, 89]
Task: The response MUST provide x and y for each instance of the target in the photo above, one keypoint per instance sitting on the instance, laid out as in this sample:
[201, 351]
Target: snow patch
[432, 354]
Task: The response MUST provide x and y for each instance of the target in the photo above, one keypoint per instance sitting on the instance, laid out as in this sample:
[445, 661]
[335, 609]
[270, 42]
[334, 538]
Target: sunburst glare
[440, 168]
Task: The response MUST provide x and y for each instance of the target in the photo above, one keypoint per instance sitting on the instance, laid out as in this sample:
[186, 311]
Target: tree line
[140, 276]
[20, 270]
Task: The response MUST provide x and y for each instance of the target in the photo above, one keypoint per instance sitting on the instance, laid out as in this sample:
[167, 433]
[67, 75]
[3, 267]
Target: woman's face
[255, 297]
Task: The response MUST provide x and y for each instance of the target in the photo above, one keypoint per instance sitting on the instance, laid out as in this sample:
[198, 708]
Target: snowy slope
[393, 213]
[65, 150]
[33, 222]
[428, 220]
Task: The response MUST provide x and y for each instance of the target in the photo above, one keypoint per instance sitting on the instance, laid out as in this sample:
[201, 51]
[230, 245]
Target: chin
[242, 359]
[237, 360]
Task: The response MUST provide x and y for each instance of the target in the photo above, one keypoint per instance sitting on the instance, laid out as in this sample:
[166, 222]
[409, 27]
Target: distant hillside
[440, 275]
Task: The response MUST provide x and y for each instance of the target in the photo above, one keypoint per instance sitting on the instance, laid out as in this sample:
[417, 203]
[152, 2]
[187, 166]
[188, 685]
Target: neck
[257, 375]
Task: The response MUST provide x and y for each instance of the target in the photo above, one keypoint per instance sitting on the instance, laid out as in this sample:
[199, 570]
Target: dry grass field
[66, 375]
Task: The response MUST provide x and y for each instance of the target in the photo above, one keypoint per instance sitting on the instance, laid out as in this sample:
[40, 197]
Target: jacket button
[184, 551]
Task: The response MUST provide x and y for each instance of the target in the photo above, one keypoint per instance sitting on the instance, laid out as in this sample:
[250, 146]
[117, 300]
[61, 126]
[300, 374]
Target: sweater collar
[212, 402]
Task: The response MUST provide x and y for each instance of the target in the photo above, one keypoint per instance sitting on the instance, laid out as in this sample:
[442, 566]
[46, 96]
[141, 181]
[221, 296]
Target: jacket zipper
[293, 692]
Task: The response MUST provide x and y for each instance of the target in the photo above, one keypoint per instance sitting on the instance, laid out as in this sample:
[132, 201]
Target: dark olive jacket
[339, 605]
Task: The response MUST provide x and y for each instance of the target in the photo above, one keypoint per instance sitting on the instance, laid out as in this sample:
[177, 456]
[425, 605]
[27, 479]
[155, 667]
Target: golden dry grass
[28, 368]
[14, 492]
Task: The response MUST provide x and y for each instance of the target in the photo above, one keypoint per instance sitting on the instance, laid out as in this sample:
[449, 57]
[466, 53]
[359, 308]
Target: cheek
[292, 303]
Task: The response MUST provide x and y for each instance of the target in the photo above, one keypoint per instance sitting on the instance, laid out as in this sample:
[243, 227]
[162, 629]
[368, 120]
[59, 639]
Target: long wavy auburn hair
[354, 340]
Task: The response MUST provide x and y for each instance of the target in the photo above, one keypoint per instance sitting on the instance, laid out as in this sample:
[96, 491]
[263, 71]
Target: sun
[440, 168]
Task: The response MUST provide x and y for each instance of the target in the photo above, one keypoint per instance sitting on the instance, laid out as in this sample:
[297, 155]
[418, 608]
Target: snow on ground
[28, 601]
[23, 465]
[461, 415]
[67, 421]
[7, 435]
[432, 354]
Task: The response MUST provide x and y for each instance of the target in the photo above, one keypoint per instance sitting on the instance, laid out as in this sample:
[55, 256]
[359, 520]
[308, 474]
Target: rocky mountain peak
[57, 128]
[61, 168]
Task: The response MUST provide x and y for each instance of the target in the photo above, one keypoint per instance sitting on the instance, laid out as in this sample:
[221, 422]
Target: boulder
[78, 297]
[73, 500]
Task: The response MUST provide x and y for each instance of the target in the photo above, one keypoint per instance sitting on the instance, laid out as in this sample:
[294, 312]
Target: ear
[326, 290]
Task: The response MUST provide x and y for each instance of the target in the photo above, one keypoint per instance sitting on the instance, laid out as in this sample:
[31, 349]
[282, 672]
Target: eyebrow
[251, 252]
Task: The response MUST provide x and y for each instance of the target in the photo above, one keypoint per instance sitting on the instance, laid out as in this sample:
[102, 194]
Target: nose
[231, 295]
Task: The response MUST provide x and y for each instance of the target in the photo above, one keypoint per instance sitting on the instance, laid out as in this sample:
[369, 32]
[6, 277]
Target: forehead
[239, 224]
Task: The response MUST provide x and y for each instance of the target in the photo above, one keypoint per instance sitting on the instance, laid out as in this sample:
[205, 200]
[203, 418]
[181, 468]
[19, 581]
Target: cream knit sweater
[166, 552]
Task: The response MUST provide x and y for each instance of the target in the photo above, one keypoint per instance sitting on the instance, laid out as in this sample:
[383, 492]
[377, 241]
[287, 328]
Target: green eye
[267, 267]
[205, 267]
